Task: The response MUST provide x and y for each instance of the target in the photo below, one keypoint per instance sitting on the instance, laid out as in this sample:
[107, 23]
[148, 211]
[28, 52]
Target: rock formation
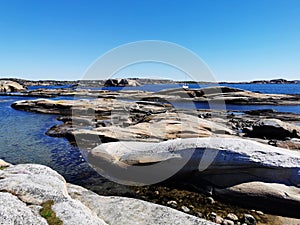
[11, 86]
[25, 187]
[120, 83]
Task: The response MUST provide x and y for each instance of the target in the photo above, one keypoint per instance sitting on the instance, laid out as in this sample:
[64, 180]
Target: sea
[23, 138]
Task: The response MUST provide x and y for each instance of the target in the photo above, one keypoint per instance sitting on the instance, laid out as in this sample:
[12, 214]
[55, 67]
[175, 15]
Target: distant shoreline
[141, 81]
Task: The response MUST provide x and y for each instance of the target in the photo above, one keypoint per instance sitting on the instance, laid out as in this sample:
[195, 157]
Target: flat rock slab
[121, 210]
[24, 187]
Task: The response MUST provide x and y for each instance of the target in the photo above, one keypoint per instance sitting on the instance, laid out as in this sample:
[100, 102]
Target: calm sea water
[263, 88]
[23, 139]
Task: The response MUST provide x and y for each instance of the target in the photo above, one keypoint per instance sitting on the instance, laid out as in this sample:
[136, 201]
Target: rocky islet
[146, 114]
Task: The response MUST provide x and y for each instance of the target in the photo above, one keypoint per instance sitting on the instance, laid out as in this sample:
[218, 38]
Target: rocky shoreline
[256, 159]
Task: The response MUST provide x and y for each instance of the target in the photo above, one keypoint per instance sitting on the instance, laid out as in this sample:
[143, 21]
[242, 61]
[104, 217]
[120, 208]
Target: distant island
[136, 82]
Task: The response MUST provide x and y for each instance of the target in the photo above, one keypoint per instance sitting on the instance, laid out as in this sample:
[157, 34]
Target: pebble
[199, 214]
[228, 222]
[185, 209]
[172, 204]
[218, 220]
[232, 217]
[156, 192]
[210, 200]
[212, 215]
[249, 219]
[260, 213]
[191, 206]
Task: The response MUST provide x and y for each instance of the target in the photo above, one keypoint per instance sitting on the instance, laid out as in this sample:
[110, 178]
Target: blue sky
[239, 40]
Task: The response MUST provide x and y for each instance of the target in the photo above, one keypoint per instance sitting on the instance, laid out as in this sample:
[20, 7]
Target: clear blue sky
[238, 39]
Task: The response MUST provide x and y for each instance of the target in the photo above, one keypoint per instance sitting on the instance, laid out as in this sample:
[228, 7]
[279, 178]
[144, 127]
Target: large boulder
[221, 161]
[273, 129]
[11, 86]
[25, 187]
[237, 167]
[270, 194]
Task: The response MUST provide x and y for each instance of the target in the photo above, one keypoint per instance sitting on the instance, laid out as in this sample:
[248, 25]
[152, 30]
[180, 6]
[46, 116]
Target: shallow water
[23, 140]
[263, 88]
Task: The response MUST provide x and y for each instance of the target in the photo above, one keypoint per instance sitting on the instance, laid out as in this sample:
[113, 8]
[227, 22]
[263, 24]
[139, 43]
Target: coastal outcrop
[213, 96]
[241, 160]
[11, 86]
[273, 129]
[121, 83]
[233, 153]
[24, 189]
[236, 167]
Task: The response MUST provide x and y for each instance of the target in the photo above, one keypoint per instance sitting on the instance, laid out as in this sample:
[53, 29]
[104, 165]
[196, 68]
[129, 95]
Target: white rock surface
[24, 187]
[10, 86]
[121, 210]
[33, 184]
[223, 161]
[13, 211]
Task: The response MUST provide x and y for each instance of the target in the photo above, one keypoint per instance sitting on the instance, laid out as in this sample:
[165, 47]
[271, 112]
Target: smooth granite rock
[11, 86]
[24, 187]
[221, 161]
[13, 211]
[121, 210]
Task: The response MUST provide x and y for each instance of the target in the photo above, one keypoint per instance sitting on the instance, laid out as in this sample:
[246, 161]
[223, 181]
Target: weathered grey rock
[11, 86]
[273, 129]
[33, 184]
[121, 210]
[277, 197]
[157, 127]
[14, 211]
[24, 187]
[73, 212]
[241, 160]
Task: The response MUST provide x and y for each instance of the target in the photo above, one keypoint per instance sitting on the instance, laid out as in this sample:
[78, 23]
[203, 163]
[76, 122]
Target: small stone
[249, 219]
[172, 204]
[232, 216]
[185, 209]
[191, 206]
[210, 200]
[212, 215]
[218, 220]
[199, 214]
[4, 164]
[260, 213]
[228, 222]
[156, 192]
